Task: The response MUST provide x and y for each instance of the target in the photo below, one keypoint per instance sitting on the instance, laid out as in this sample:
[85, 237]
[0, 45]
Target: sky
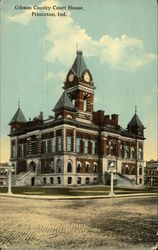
[118, 40]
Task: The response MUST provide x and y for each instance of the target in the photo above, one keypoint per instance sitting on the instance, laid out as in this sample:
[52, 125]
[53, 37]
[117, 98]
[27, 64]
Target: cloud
[22, 18]
[49, 76]
[123, 53]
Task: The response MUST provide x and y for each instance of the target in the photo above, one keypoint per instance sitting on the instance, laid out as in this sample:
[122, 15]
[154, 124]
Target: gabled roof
[136, 122]
[79, 65]
[18, 117]
[64, 102]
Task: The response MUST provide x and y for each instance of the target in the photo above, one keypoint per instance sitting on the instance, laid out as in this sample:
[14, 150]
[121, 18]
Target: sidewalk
[64, 197]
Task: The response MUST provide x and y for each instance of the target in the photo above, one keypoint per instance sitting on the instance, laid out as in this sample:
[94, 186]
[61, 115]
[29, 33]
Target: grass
[72, 191]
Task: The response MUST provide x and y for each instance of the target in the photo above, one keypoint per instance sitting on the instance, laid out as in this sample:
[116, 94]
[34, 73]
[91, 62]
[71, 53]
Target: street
[118, 223]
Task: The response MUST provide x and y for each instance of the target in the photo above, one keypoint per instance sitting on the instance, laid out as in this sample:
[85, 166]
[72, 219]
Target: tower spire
[135, 109]
[18, 104]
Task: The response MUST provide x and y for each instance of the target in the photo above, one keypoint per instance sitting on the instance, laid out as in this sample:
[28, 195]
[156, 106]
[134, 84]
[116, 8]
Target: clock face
[86, 77]
[71, 77]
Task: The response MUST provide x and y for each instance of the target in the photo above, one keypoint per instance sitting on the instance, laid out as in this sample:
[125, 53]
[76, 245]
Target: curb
[36, 197]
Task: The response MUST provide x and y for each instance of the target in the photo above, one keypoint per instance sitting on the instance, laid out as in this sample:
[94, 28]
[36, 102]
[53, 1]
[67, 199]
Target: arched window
[58, 168]
[32, 166]
[95, 180]
[133, 170]
[79, 167]
[69, 180]
[94, 167]
[87, 181]
[59, 180]
[127, 169]
[140, 170]
[132, 153]
[87, 169]
[44, 180]
[51, 180]
[78, 180]
[69, 167]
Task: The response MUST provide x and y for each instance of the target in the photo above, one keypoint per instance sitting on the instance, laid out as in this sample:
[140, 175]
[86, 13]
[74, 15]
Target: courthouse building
[76, 145]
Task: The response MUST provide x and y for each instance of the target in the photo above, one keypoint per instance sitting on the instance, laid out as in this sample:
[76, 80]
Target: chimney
[41, 116]
[114, 119]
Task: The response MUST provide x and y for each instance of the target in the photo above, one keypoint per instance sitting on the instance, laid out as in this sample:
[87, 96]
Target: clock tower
[79, 86]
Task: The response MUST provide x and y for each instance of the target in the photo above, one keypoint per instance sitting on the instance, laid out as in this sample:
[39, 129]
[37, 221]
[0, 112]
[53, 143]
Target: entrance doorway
[32, 167]
[32, 181]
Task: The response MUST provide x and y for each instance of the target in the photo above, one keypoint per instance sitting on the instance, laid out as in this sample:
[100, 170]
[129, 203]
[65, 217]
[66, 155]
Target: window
[43, 147]
[58, 166]
[140, 170]
[58, 143]
[20, 150]
[93, 147]
[59, 180]
[25, 149]
[95, 181]
[112, 148]
[52, 145]
[132, 153]
[73, 102]
[69, 180]
[44, 180]
[94, 168]
[69, 143]
[87, 181]
[121, 150]
[52, 166]
[87, 169]
[126, 152]
[79, 168]
[69, 167]
[78, 180]
[133, 170]
[78, 145]
[107, 148]
[13, 151]
[85, 103]
[86, 146]
[34, 148]
[127, 169]
[140, 154]
[51, 180]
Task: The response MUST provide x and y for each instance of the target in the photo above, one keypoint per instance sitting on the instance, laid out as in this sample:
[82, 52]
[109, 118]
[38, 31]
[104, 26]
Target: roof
[64, 102]
[136, 122]
[79, 65]
[18, 117]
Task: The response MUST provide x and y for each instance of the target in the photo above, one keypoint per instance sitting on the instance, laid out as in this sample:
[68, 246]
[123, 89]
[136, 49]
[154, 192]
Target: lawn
[72, 191]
